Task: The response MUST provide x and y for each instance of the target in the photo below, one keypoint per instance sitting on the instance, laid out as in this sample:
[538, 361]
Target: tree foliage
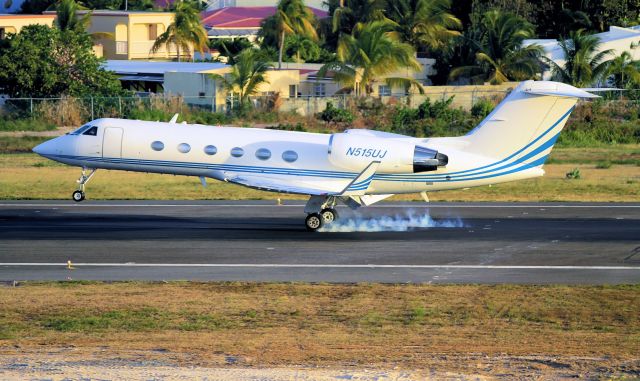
[372, 51]
[47, 62]
[585, 64]
[424, 23]
[246, 76]
[499, 53]
[293, 18]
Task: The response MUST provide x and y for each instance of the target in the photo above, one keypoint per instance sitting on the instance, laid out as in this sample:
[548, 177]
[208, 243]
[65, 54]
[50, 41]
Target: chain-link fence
[68, 111]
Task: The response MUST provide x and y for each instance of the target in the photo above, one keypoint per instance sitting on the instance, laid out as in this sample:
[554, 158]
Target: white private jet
[356, 167]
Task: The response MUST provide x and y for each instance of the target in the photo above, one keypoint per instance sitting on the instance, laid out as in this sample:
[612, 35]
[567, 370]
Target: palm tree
[347, 14]
[584, 63]
[499, 53]
[67, 17]
[185, 31]
[293, 17]
[246, 76]
[374, 50]
[424, 23]
[624, 71]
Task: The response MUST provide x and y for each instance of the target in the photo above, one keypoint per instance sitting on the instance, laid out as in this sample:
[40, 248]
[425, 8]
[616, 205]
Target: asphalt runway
[260, 241]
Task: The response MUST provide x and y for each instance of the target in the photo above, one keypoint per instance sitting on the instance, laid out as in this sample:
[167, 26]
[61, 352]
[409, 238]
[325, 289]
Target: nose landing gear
[79, 195]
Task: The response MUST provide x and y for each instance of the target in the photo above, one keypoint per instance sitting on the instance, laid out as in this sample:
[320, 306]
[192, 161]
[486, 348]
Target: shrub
[574, 174]
[482, 108]
[603, 165]
[335, 115]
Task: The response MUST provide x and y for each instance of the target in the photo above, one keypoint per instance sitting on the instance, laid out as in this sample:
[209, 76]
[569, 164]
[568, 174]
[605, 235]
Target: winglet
[360, 184]
[174, 119]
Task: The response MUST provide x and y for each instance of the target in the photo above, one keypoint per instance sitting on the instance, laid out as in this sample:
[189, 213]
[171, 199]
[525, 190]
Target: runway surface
[261, 241]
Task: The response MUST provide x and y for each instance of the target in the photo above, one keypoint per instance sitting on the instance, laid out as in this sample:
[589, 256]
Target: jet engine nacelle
[354, 152]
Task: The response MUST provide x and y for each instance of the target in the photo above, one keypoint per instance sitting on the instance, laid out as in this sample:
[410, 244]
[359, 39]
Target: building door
[112, 142]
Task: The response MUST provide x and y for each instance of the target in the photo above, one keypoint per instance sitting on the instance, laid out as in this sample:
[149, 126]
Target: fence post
[92, 113]
[120, 106]
[31, 107]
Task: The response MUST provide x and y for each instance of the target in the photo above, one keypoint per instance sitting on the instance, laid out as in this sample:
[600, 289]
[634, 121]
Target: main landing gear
[320, 211]
[78, 195]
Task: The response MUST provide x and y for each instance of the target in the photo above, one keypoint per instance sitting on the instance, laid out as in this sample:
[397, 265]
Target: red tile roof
[243, 17]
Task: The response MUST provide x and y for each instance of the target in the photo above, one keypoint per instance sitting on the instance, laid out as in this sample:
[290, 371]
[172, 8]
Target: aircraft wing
[280, 185]
[356, 187]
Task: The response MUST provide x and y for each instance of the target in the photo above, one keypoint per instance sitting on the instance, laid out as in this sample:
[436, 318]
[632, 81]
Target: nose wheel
[79, 195]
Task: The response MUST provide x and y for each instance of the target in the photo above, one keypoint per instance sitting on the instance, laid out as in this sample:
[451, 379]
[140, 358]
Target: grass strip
[289, 323]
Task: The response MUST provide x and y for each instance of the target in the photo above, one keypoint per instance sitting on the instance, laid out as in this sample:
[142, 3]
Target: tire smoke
[397, 223]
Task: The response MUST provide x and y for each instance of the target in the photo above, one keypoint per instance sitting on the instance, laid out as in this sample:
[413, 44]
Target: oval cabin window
[263, 154]
[184, 147]
[237, 152]
[157, 146]
[289, 156]
[210, 150]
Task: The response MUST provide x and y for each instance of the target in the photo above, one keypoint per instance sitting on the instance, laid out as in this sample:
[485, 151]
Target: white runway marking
[301, 205]
[311, 265]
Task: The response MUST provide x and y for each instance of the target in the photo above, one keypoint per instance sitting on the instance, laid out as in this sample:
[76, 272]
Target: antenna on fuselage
[174, 119]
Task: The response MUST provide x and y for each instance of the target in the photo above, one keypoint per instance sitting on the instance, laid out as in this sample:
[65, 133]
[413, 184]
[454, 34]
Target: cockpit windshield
[81, 129]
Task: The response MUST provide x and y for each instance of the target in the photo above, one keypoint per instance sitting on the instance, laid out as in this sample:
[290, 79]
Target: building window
[263, 154]
[384, 91]
[320, 90]
[210, 150]
[184, 147]
[121, 47]
[153, 31]
[289, 156]
[93, 131]
[237, 152]
[293, 91]
[157, 146]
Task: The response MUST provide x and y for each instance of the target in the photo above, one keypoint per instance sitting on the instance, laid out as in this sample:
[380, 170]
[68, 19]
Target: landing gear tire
[313, 222]
[77, 196]
[329, 215]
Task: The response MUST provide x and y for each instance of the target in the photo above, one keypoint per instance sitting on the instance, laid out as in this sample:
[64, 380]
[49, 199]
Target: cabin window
[157, 146]
[93, 131]
[210, 150]
[289, 156]
[184, 147]
[263, 154]
[237, 152]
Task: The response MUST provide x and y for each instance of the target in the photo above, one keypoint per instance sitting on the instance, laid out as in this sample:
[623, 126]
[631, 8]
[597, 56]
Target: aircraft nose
[45, 148]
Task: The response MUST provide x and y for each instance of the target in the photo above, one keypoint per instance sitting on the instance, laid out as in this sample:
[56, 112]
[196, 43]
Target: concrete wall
[15, 23]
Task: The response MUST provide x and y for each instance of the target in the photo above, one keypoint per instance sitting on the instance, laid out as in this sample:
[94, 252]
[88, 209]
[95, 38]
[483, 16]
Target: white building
[617, 39]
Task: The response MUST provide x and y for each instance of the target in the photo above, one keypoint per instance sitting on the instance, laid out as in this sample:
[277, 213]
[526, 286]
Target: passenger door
[112, 142]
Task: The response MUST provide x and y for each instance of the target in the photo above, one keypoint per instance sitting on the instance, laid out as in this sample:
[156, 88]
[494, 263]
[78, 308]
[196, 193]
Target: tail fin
[527, 122]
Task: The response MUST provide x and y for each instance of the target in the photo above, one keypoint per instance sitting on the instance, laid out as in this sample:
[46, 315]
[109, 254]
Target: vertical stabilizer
[526, 124]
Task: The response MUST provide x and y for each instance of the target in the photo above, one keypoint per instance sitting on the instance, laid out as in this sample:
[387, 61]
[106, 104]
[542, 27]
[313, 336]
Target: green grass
[11, 124]
[19, 144]
[29, 176]
[303, 323]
